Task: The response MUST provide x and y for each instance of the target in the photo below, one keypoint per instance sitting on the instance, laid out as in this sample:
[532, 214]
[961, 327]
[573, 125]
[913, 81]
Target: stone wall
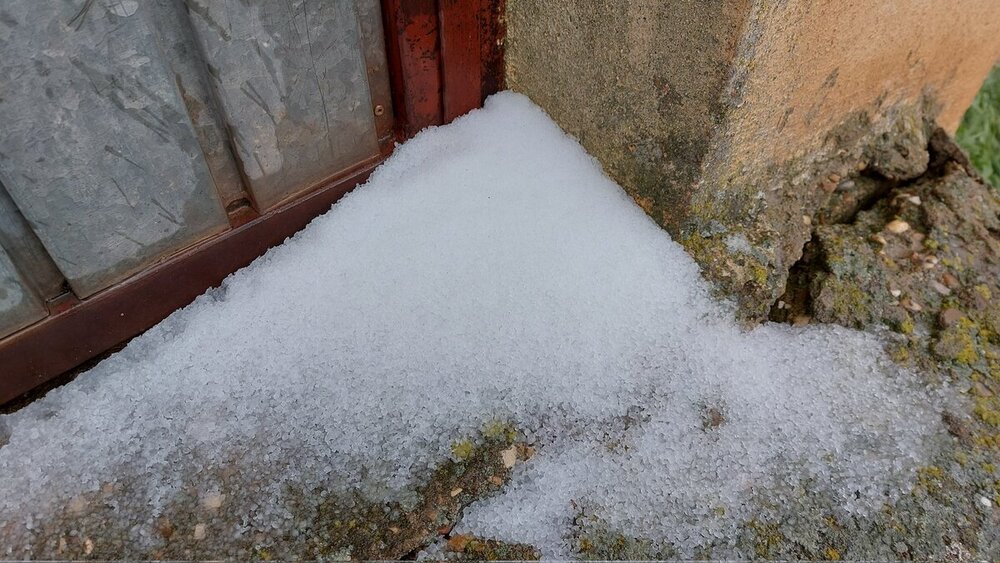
[636, 81]
[741, 125]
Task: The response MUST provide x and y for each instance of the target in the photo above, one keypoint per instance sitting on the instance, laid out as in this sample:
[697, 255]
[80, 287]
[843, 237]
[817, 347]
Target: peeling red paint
[413, 50]
[461, 57]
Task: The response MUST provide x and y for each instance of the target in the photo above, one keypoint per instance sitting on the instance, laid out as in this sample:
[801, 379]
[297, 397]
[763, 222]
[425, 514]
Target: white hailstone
[487, 271]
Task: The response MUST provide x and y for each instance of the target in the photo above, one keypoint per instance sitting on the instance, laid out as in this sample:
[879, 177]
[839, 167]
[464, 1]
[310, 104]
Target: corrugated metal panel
[293, 85]
[98, 151]
[129, 128]
[26, 251]
[19, 306]
[77, 83]
[183, 55]
[373, 35]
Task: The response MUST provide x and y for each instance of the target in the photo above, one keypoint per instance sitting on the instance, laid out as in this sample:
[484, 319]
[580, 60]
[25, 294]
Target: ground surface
[490, 351]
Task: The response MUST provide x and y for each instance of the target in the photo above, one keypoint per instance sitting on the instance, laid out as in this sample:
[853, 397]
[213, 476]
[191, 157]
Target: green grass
[979, 133]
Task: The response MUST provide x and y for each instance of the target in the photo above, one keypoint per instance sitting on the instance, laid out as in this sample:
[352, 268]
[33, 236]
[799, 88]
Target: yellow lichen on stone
[499, 430]
[929, 478]
[970, 352]
[955, 263]
[984, 292]
[767, 536]
[760, 275]
[968, 355]
[959, 342]
[848, 299]
[989, 441]
[988, 410]
[961, 458]
[463, 449]
[900, 354]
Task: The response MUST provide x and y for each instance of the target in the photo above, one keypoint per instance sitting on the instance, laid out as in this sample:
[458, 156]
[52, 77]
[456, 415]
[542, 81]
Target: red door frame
[445, 57]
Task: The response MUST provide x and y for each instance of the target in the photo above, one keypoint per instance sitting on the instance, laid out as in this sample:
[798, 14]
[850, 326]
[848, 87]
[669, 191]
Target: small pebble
[213, 502]
[911, 305]
[77, 505]
[897, 226]
[456, 491]
[950, 316]
[940, 287]
[713, 418]
[165, 528]
[509, 457]
[846, 185]
[987, 503]
[199, 532]
[458, 542]
[981, 390]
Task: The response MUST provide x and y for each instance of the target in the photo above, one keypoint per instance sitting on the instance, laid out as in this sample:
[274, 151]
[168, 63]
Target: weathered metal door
[130, 130]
